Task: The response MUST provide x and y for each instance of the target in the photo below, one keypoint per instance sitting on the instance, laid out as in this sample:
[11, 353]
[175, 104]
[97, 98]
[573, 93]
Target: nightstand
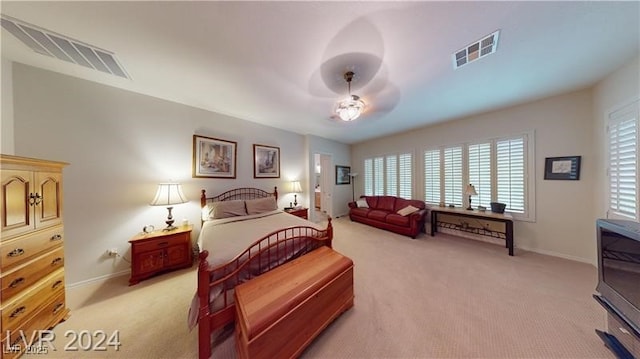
[302, 212]
[159, 251]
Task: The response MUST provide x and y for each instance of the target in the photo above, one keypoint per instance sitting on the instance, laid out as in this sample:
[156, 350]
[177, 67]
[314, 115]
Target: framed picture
[213, 157]
[343, 175]
[266, 161]
[562, 168]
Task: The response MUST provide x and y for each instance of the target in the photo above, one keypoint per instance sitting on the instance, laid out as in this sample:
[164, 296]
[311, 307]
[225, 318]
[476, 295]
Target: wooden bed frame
[226, 276]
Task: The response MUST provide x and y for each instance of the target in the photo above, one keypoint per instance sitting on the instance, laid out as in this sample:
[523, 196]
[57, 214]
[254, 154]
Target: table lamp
[169, 194]
[295, 189]
[470, 191]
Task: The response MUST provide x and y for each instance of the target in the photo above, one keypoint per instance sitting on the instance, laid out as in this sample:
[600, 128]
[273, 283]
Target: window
[497, 169]
[480, 172]
[510, 173]
[453, 175]
[378, 170]
[432, 176]
[622, 130]
[390, 175]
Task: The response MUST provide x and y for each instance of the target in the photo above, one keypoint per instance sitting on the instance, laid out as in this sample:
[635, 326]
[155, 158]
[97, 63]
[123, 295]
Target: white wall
[6, 103]
[120, 145]
[562, 126]
[618, 89]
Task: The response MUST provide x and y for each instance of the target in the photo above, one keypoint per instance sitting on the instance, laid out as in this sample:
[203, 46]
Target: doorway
[323, 187]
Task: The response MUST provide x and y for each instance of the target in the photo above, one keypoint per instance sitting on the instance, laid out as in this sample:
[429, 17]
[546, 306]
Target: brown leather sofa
[382, 212]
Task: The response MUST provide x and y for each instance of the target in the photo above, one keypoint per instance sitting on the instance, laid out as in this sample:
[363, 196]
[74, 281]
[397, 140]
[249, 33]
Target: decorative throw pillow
[226, 209]
[407, 210]
[362, 203]
[261, 205]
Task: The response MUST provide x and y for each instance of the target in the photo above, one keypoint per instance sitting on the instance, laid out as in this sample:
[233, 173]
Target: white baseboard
[501, 242]
[560, 255]
[99, 279]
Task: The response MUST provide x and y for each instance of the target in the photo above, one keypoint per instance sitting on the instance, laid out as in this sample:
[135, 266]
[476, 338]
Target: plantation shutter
[510, 166]
[392, 176]
[623, 162]
[432, 176]
[453, 175]
[368, 177]
[480, 172]
[405, 175]
[378, 176]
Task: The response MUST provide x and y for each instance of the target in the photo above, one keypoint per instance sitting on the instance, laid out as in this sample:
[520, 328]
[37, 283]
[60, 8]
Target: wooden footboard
[263, 255]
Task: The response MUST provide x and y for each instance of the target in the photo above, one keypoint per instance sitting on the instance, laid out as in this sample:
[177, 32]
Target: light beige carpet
[433, 297]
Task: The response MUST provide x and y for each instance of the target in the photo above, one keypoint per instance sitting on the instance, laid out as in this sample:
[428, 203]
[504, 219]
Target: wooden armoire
[32, 293]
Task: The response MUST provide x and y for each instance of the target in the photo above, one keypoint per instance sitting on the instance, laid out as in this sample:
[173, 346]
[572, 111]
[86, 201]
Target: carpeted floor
[433, 297]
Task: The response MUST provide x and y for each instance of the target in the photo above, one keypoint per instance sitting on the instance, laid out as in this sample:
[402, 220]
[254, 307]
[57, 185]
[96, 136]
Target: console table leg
[509, 236]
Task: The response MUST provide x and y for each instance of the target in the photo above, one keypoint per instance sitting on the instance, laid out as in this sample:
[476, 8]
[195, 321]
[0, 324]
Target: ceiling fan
[352, 107]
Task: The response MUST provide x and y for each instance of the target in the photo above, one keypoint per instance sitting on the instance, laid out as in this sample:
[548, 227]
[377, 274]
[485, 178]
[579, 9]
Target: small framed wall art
[343, 175]
[266, 161]
[562, 168]
[213, 157]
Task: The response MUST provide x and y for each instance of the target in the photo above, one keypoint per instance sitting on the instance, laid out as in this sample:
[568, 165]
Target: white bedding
[226, 238]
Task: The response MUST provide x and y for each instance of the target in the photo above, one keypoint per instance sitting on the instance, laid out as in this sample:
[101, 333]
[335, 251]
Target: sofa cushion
[360, 211]
[377, 214]
[402, 203]
[386, 203]
[362, 203]
[407, 210]
[372, 201]
[397, 219]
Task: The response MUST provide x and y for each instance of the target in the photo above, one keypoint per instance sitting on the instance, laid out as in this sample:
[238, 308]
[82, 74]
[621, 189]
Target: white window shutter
[392, 176]
[405, 175]
[510, 167]
[453, 175]
[623, 162]
[432, 176]
[480, 172]
[368, 177]
[378, 176]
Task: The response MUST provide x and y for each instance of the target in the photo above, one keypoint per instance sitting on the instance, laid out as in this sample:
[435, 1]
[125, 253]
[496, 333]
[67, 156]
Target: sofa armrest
[418, 216]
[353, 205]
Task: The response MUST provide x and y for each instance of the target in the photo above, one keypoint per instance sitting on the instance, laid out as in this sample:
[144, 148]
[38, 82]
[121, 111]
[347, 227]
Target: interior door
[326, 202]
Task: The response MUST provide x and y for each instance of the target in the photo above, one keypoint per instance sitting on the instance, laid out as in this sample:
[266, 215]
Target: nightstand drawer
[301, 212]
[27, 247]
[160, 243]
[29, 273]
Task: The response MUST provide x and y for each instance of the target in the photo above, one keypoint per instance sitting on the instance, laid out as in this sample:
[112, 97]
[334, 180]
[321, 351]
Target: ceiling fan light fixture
[351, 108]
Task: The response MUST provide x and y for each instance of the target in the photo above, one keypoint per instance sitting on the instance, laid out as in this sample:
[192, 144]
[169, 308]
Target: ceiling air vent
[476, 50]
[64, 48]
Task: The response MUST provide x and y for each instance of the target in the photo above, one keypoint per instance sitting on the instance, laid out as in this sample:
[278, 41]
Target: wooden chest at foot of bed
[280, 312]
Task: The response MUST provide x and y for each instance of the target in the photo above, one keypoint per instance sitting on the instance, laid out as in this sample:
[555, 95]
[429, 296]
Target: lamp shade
[169, 194]
[470, 190]
[295, 187]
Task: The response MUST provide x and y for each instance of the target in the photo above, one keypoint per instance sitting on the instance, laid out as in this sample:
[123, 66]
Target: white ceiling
[281, 63]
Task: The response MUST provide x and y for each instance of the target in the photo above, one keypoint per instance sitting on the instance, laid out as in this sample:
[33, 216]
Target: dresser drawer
[176, 239]
[30, 301]
[27, 274]
[50, 314]
[25, 248]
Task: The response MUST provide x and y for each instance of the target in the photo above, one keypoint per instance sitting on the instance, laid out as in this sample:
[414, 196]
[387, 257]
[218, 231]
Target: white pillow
[261, 205]
[226, 209]
[408, 210]
[362, 203]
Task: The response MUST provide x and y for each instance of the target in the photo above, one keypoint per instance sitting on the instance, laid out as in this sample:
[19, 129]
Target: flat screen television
[619, 268]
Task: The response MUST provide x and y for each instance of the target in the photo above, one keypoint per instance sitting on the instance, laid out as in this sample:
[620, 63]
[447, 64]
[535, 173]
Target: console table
[507, 219]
